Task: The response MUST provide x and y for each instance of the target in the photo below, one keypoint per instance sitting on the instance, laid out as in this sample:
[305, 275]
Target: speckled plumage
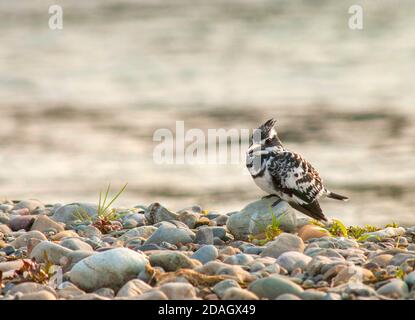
[286, 174]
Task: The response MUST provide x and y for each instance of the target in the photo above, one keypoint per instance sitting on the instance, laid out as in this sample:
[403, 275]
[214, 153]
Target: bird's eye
[268, 140]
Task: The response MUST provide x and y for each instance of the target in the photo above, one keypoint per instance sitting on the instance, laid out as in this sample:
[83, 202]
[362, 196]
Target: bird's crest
[265, 129]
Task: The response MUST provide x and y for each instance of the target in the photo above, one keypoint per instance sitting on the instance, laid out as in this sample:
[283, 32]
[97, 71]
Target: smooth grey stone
[221, 287]
[396, 288]
[204, 235]
[256, 216]
[206, 253]
[76, 244]
[149, 247]
[112, 269]
[253, 250]
[239, 259]
[172, 235]
[274, 286]
[283, 243]
[156, 213]
[70, 213]
[292, 259]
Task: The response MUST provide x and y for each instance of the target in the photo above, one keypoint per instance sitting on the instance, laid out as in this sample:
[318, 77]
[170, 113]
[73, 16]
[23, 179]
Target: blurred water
[79, 106]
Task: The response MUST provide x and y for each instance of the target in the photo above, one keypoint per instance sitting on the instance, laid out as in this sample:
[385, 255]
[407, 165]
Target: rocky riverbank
[75, 251]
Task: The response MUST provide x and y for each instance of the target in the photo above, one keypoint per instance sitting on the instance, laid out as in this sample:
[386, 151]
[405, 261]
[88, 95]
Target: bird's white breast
[265, 182]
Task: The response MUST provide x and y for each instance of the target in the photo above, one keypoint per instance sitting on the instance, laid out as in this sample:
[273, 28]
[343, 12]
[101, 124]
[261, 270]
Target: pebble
[10, 265]
[384, 233]
[4, 207]
[242, 224]
[254, 250]
[172, 260]
[274, 286]
[239, 259]
[68, 290]
[410, 279]
[332, 296]
[400, 258]
[171, 235]
[89, 232]
[39, 295]
[112, 269]
[221, 220]
[312, 294]
[283, 243]
[288, 296]
[142, 232]
[239, 294]
[4, 229]
[334, 243]
[178, 291]
[220, 268]
[64, 234]
[353, 272]
[32, 205]
[70, 213]
[151, 295]
[89, 296]
[293, 259]
[76, 244]
[133, 288]
[317, 264]
[23, 240]
[43, 223]
[189, 218]
[256, 266]
[396, 289]
[206, 253]
[157, 213]
[139, 218]
[221, 287]
[218, 242]
[4, 218]
[129, 223]
[382, 260]
[149, 247]
[21, 222]
[29, 287]
[105, 292]
[354, 287]
[52, 251]
[75, 256]
[310, 231]
[204, 236]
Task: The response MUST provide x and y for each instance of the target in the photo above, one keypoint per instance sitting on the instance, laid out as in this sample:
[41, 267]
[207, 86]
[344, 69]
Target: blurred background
[79, 106]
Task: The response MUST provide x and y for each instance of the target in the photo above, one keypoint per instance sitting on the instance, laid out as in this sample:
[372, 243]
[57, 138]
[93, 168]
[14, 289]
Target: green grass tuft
[104, 213]
[271, 231]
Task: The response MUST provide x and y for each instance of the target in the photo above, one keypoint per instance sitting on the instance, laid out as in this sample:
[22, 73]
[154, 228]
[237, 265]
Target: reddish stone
[22, 222]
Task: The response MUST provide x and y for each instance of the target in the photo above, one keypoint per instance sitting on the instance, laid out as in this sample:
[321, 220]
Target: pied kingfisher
[285, 174]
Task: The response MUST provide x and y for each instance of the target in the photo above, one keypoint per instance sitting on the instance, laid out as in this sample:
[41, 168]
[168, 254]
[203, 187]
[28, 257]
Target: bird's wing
[295, 177]
[298, 181]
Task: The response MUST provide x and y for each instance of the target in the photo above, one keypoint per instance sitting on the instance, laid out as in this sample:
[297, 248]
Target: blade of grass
[103, 209]
[115, 198]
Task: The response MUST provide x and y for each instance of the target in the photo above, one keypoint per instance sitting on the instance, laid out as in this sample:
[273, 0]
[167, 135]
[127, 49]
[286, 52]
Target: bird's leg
[269, 196]
[276, 202]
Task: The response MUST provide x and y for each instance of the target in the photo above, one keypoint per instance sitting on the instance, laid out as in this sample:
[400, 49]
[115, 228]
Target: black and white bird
[286, 174]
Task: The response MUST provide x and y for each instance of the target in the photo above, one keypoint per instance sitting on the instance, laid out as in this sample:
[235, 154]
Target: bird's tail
[336, 196]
